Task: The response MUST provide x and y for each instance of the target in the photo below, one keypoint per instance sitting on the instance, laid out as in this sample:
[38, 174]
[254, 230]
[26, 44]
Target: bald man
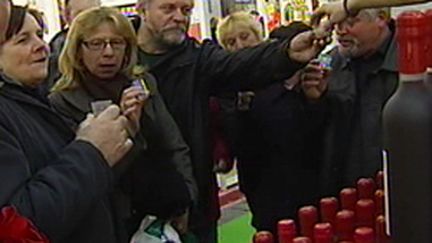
[4, 18]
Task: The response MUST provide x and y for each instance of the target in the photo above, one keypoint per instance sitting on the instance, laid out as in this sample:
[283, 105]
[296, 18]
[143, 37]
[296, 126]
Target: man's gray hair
[374, 13]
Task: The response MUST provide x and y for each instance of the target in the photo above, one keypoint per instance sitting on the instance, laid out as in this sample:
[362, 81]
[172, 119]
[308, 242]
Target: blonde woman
[239, 30]
[275, 136]
[98, 66]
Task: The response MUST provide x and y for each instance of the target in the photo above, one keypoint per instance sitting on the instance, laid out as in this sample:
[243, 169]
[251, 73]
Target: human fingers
[110, 113]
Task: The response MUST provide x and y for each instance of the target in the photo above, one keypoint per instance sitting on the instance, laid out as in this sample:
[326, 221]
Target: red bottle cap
[412, 42]
[286, 231]
[380, 230]
[329, 207]
[379, 202]
[348, 198]
[302, 239]
[428, 14]
[379, 180]
[364, 235]
[308, 217]
[365, 212]
[365, 188]
[344, 226]
[323, 233]
[263, 237]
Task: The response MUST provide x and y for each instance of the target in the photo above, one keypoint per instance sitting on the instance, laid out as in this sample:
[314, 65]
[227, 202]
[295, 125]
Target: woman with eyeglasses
[98, 67]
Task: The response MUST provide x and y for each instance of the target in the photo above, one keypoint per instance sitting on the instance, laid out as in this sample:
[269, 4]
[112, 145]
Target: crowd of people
[299, 130]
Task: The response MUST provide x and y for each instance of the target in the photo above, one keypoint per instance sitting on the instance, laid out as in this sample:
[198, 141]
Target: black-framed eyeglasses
[100, 44]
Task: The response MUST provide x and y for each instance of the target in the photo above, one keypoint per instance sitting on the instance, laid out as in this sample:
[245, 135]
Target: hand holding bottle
[107, 132]
[313, 80]
[131, 104]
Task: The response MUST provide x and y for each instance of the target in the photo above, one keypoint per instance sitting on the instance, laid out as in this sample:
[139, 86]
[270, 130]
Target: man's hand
[334, 11]
[313, 80]
[131, 104]
[107, 132]
[306, 45]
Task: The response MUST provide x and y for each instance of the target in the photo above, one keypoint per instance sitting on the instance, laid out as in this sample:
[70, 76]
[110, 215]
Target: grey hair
[373, 13]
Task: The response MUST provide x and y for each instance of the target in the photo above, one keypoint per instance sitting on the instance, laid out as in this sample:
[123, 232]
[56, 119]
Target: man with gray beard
[189, 72]
[364, 76]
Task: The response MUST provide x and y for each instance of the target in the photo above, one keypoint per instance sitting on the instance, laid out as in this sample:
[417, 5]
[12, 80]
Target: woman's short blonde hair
[70, 63]
[235, 20]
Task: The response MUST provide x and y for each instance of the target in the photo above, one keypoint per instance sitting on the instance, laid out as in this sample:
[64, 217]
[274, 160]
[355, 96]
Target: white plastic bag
[153, 230]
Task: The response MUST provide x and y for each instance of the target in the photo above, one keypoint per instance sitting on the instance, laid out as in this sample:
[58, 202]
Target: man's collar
[390, 60]
[174, 53]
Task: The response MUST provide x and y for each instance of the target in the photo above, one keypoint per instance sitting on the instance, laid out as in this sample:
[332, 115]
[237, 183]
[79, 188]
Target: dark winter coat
[61, 184]
[353, 140]
[56, 46]
[187, 75]
[279, 154]
[159, 181]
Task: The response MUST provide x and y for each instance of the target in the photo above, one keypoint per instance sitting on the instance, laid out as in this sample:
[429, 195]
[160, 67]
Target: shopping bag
[154, 230]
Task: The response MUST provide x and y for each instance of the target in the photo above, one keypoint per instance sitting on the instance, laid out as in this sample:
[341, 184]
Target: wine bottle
[379, 202]
[380, 232]
[365, 188]
[379, 180]
[329, 206]
[302, 239]
[408, 136]
[286, 231]
[308, 217]
[365, 213]
[344, 225]
[428, 79]
[348, 198]
[323, 233]
[364, 235]
[263, 237]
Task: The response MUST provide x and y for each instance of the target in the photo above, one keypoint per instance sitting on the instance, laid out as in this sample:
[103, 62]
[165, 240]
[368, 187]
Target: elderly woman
[98, 64]
[277, 171]
[57, 178]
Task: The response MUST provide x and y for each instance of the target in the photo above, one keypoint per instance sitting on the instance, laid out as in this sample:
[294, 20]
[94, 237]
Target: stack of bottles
[356, 217]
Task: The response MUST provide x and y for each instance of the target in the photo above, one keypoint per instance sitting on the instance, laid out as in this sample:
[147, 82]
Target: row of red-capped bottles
[323, 234]
[407, 128]
[356, 218]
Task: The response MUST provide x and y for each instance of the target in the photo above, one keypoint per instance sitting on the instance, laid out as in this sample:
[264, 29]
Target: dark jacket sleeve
[59, 195]
[174, 143]
[247, 69]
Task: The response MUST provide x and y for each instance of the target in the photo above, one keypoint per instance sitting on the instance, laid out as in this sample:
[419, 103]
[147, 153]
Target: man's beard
[352, 51]
[172, 38]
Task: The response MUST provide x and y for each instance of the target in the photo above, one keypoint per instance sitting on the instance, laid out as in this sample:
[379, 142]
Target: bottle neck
[408, 78]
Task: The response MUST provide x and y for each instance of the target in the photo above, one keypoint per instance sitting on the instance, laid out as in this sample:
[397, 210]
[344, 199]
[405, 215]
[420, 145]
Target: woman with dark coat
[277, 136]
[98, 65]
[58, 178]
